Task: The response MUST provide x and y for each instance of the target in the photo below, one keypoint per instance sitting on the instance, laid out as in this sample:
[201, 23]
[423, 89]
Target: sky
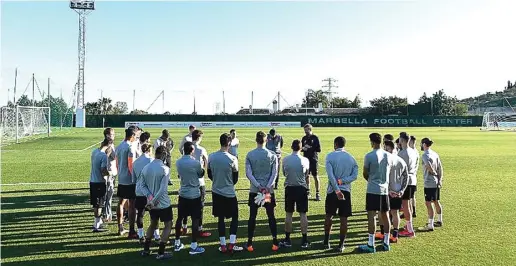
[187, 49]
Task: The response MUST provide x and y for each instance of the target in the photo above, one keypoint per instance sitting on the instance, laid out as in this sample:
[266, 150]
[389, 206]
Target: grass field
[46, 216]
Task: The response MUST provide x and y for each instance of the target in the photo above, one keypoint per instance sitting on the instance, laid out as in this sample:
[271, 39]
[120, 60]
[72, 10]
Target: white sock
[223, 241]
[193, 245]
[140, 233]
[370, 242]
[178, 242]
[232, 239]
[156, 234]
[440, 217]
[431, 223]
[386, 238]
[185, 226]
[100, 221]
[96, 223]
[200, 227]
[410, 227]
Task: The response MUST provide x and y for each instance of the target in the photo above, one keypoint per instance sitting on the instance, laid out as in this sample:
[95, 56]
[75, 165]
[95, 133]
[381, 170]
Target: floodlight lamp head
[82, 4]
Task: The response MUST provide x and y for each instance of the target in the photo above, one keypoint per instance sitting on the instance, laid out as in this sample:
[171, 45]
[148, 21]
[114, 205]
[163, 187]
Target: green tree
[341, 102]
[120, 108]
[138, 112]
[389, 105]
[313, 98]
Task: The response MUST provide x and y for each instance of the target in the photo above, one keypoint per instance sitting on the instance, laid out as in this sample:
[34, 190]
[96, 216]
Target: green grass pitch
[46, 217]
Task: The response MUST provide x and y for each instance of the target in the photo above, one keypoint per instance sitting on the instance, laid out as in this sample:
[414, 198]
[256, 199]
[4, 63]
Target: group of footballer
[143, 179]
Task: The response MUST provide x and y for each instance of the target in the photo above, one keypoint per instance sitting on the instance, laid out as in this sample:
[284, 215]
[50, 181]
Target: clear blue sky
[373, 48]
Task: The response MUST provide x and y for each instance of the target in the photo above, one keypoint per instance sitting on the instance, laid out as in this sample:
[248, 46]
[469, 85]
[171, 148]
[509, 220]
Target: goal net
[499, 121]
[23, 121]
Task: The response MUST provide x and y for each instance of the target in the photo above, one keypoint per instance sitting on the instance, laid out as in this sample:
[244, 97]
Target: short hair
[260, 137]
[232, 130]
[272, 131]
[389, 144]
[106, 142]
[188, 147]
[133, 127]
[146, 147]
[107, 131]
[191, 127]
[388, 137]
[144, 137]
[340, 142]
[403, 133]
[160, 151]
[308, 126]
[129, 132]
[427, 141]
[404, 137]
[375, 138]
[397, 140]
[225, 140]
[165, 133]
[196, 134]
[413, 138]
[296, 145]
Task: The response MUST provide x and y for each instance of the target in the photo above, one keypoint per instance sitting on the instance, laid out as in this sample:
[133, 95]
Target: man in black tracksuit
[311, 149]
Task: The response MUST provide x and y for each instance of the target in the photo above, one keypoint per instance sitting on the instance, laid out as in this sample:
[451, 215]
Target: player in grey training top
[233, 148]
[295, 170]
[275, 144]
[261, 168]
[99, 172]
[223, 171]
[342, 169]
[411, 158]
[126, 184]
[377, 166]
[187, 137]
[433, 173]
[109, 134]
[154, 186]
[189, 204]
[141, 199]
[398, 180]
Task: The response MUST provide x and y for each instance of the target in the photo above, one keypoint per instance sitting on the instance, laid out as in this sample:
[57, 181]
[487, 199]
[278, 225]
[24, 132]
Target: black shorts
[189, 207]
[253, 195]
[224, 206]
[395, 203]
[296, 196]
[141, 202]
[165, 215]
[432, 194]
[333, 203]
[97, 194]
[377, 202]
[409, 192]
[126, 191]
[314, 165]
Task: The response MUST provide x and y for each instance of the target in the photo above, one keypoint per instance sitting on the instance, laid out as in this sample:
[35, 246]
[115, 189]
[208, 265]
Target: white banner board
[211, 124]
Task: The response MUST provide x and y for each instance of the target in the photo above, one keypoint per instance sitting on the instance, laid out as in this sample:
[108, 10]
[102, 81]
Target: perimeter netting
[22, 122]
[499, 121]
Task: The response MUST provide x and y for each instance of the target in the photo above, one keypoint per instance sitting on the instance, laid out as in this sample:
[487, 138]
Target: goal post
[499, 121]
[21, 122]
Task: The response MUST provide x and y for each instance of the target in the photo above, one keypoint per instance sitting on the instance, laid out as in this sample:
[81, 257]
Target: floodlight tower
[82, 8]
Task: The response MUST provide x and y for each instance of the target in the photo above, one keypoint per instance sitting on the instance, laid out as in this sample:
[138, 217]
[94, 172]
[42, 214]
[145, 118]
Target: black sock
[382, 230]
[161, 248]
[146, 246]
[305, 238]
[275, 241]
[342, 239]
[395, 232]
[287, 236]
[326, 238]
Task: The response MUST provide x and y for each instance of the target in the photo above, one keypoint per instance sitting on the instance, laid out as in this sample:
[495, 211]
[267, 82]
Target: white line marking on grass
[89, 147]
[43, 183]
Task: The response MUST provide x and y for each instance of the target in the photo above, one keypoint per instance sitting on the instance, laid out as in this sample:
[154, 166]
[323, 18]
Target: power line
[330, 85]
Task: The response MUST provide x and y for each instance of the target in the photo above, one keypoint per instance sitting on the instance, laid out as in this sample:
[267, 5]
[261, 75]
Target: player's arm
[200, 171]
[204, 159]
[317, 145]
[144, 188]
[428, 165]
[366, 169]
[104, 167]
[181, 145]
[130, 160]
[210, 174]
[249, 173]
[283, 167]
[440, 172]
[234, 167]
[163, 189]
[274, 173]
[353, 176]
[404, 180]
[281, 142]
[331, 177]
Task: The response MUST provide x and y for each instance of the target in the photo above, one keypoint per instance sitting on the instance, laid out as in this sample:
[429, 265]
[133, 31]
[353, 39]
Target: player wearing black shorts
[99, 172]
[433, 173]
[398, 180]
[141, 199]
[125, 153]
[295, 169]
[342, 169]
[311, 149]
[411, 158]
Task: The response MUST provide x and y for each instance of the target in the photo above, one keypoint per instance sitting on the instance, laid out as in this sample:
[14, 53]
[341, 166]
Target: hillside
[496, 99]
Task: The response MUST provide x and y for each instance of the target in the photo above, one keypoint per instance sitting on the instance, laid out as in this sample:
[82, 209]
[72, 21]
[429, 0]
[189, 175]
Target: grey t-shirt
[99, 160]
[233, 148]
[124, 151]
[398, 177]
[222, 166]
[138, 166]
[411, 159]
[190, 172]
[432, 158]
[274, 143]
[378, 163]
[199, 155]
[155, 177]
[295, 168]
[261, 167]
[342, 169]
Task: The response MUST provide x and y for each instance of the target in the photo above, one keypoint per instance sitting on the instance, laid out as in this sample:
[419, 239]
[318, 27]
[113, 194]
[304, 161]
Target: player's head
[296, 145]
[339, 142]
[308, 129]
[260, 137]
[130, 134]
[225, 140]
[106, 143]
[109, 133]
[412, 142]
[161, 153]
[197, 136]
[138, 131]
[144, 137]
[426, 143]
[232, 133]
[404, 139]
[388, 146]
[376, 140]
[191, 128]
[272, 132]
[165, 134]
[398, 144]
[146, 147]
[188, 148]
[388, 137]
